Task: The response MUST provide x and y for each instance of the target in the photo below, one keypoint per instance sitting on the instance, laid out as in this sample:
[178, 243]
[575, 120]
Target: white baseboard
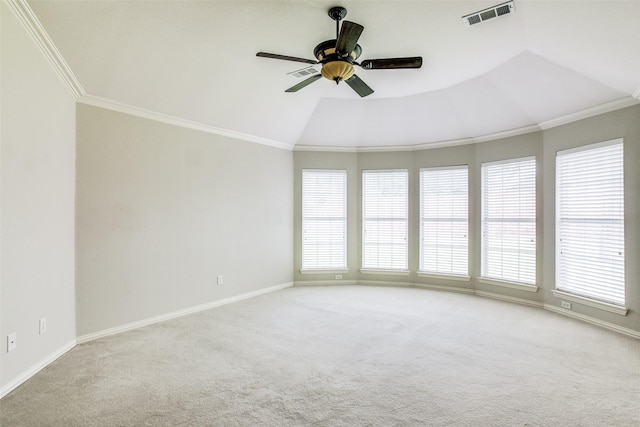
[592, 320]
[8, 388]
[178, 313]
[330, 282]
[507, 298]
[455, 289]
[383, 283]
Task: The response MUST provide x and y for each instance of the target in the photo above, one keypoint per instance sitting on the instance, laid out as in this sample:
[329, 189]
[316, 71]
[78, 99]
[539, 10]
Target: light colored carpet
[343, 356]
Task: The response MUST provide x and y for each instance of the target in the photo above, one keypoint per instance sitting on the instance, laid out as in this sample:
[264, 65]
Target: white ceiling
[195, 61]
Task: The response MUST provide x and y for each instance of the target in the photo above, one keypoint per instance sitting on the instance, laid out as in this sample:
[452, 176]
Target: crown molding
[323, 148]
[108, 104]
[506, 134]
[34, 28]
[591, 112]
[418, 147]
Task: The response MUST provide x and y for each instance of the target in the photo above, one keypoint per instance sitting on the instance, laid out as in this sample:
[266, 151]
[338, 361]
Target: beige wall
[163, 210]
[543, 145]
[37, 149]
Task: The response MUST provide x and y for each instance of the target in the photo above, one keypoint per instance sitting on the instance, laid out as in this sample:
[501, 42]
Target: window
[324, 219]
[384, 213]
[509, 221]
[444, 220]
[590, 222]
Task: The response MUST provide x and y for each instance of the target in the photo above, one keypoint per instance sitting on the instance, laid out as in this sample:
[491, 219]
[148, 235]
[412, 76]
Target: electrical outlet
[43, 326]
[11, 342]
[338, 276]
[220, 279]
[566, 304]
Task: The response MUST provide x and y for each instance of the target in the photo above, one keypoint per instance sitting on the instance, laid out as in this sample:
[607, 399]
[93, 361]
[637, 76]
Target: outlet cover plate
[11, 342]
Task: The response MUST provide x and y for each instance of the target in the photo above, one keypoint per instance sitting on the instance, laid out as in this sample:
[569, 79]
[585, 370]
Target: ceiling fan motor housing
[334, 66]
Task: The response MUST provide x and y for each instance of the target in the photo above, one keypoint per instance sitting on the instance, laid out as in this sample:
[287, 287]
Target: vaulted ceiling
[194, 62]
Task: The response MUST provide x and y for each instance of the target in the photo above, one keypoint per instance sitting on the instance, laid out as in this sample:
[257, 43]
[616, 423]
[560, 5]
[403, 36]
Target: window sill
[444, 276]
[611, 308]
[512, 285]
[332, 271]
[385, 272]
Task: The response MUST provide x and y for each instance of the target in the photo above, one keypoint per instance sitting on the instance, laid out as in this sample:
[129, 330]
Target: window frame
[311, 268]
[525, 266]
[609, 212]
[456, 271]
[384, 268]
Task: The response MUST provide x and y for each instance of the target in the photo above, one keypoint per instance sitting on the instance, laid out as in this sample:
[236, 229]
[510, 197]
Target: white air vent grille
[490, 13]
[305, 72]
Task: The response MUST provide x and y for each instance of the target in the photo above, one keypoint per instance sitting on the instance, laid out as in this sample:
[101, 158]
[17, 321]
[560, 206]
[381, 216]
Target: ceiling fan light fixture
[337, 70]
[338, 56]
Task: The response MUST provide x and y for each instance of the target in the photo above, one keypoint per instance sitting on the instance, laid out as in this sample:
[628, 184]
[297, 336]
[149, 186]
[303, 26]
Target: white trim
[108, 104]
[592, 320]
[425, 146]
[317, 148]
[447, 167]
[24, 376]
[386, 283]
[509, 160]
[443, 276]
[32, 25]
[179, 313]
[587, 147]
[386, 148]
[636, 93]
[611, 308]
[416, 147]
[458, 290]
[332, 271]
[507, 134]
[590, 112]
[374, 171]
[385, 272]
[512, 285]
[507, 298]
[321, 282]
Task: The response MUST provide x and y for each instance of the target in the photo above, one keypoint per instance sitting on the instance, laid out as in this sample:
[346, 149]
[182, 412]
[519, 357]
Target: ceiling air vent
[304, 72]
[490, 13]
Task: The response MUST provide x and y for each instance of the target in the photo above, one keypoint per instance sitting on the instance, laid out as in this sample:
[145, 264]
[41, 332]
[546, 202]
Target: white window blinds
[324, 219]
[590, 222]
[509, 221]
[444, 220]
[384, 210]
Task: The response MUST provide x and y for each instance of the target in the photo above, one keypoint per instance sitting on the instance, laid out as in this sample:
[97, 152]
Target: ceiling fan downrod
[337, 14]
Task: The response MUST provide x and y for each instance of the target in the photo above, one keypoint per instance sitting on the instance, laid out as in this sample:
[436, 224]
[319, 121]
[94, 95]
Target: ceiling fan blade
[285, 57]
[304, 83]
[348, 38]
[359, 86]
[392, 63]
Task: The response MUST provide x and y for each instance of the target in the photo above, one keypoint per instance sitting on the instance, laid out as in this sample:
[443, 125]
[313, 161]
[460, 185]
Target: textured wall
[163, 210]
[37, 204]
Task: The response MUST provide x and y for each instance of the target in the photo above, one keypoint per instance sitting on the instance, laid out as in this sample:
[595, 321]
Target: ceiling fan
[338, 56]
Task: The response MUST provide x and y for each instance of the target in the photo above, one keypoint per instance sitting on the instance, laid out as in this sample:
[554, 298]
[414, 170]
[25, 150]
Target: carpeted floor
[343, 356]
